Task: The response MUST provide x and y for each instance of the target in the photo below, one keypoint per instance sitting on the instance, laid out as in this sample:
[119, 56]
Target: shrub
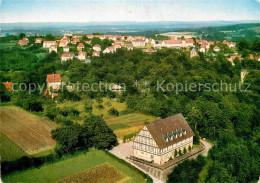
[88, 106]
[189, 148]
[99, 100]
[184, 150]
[179, 152]
[175, 153]
[113, 112]
[100, 106]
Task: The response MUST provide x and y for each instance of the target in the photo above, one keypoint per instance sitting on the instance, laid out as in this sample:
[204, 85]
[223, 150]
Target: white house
[53, 48]
[97, 47]
[138, 42]
[82, 55]
[63, 43]
[157, 142]
[38, 40]
[48, 44]
[202, 48]
[216, 49]
[67, 56]
[95, 54]
[110, 49]
[66, 49]
[129, 47]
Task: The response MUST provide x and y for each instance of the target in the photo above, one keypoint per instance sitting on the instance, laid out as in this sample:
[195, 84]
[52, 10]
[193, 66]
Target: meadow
[7, 45]
[9, 150]
[122, 125]
[75, 165]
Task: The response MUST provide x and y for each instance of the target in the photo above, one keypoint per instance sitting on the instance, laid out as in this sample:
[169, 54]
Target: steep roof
[81, 45]
[170, 126]
[67, 55]
[97, 45]
[172, 41]
[8, 86]
[53, 78]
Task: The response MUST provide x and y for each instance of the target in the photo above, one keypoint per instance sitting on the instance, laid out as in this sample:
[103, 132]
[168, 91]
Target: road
[125, 150]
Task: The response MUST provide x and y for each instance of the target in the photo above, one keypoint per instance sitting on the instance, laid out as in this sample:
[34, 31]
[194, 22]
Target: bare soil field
[104, 173]
[31, 133]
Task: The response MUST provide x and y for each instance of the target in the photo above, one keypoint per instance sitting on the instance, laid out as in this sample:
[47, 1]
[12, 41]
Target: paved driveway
[159, 176]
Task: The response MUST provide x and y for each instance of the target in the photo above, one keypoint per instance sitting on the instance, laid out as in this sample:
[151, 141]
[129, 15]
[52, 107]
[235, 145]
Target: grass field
[101, 173]
[9, 150]
[129, 123]
[72, 166]
[31, 133]
[7, 45]
[41, 56]
[122, 125]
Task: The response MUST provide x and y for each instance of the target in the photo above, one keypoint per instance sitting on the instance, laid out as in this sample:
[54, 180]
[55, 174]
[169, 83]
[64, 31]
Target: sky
[127, 10]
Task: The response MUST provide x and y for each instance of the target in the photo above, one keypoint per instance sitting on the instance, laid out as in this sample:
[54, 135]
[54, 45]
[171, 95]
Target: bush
[100, 106]
[189, 148]
[113, 112]
[88, 106]
[184, 150]
[99, 100]
[179, 152]
[175, 153]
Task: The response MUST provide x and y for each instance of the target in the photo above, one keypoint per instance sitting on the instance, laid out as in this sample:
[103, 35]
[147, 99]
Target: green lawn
[7, 45]
[72, 166]
[41, 56]
[9, 150]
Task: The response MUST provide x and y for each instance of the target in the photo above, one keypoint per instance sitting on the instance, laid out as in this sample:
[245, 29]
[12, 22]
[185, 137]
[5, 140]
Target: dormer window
[165, 138]
[169, 136]
[174, 134]
[183, 131]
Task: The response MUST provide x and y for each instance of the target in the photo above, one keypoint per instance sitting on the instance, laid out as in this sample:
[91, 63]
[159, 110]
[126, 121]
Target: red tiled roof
[81, 45]
[172, 41]
[95, 53]
[53, 78]
[234, 57]
[67, 55]
[129, 46]
[82, 53]
[8, 86]
[189, 40]
[49, 41]
[97, 45]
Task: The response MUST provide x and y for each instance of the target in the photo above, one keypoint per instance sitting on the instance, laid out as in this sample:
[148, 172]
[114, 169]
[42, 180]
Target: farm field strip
[101, 173]
[70, 166]
[31, 133]
[9, 150]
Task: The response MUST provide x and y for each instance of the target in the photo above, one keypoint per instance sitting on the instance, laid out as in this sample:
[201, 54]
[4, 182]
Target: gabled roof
[129, 46]
[8, 86]
[97, 45]
[175, 126]
[172, 41]
[49, 41]
[82, 53]
[67, 55]
[96, 53]
[53, 78]
[81, 45]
